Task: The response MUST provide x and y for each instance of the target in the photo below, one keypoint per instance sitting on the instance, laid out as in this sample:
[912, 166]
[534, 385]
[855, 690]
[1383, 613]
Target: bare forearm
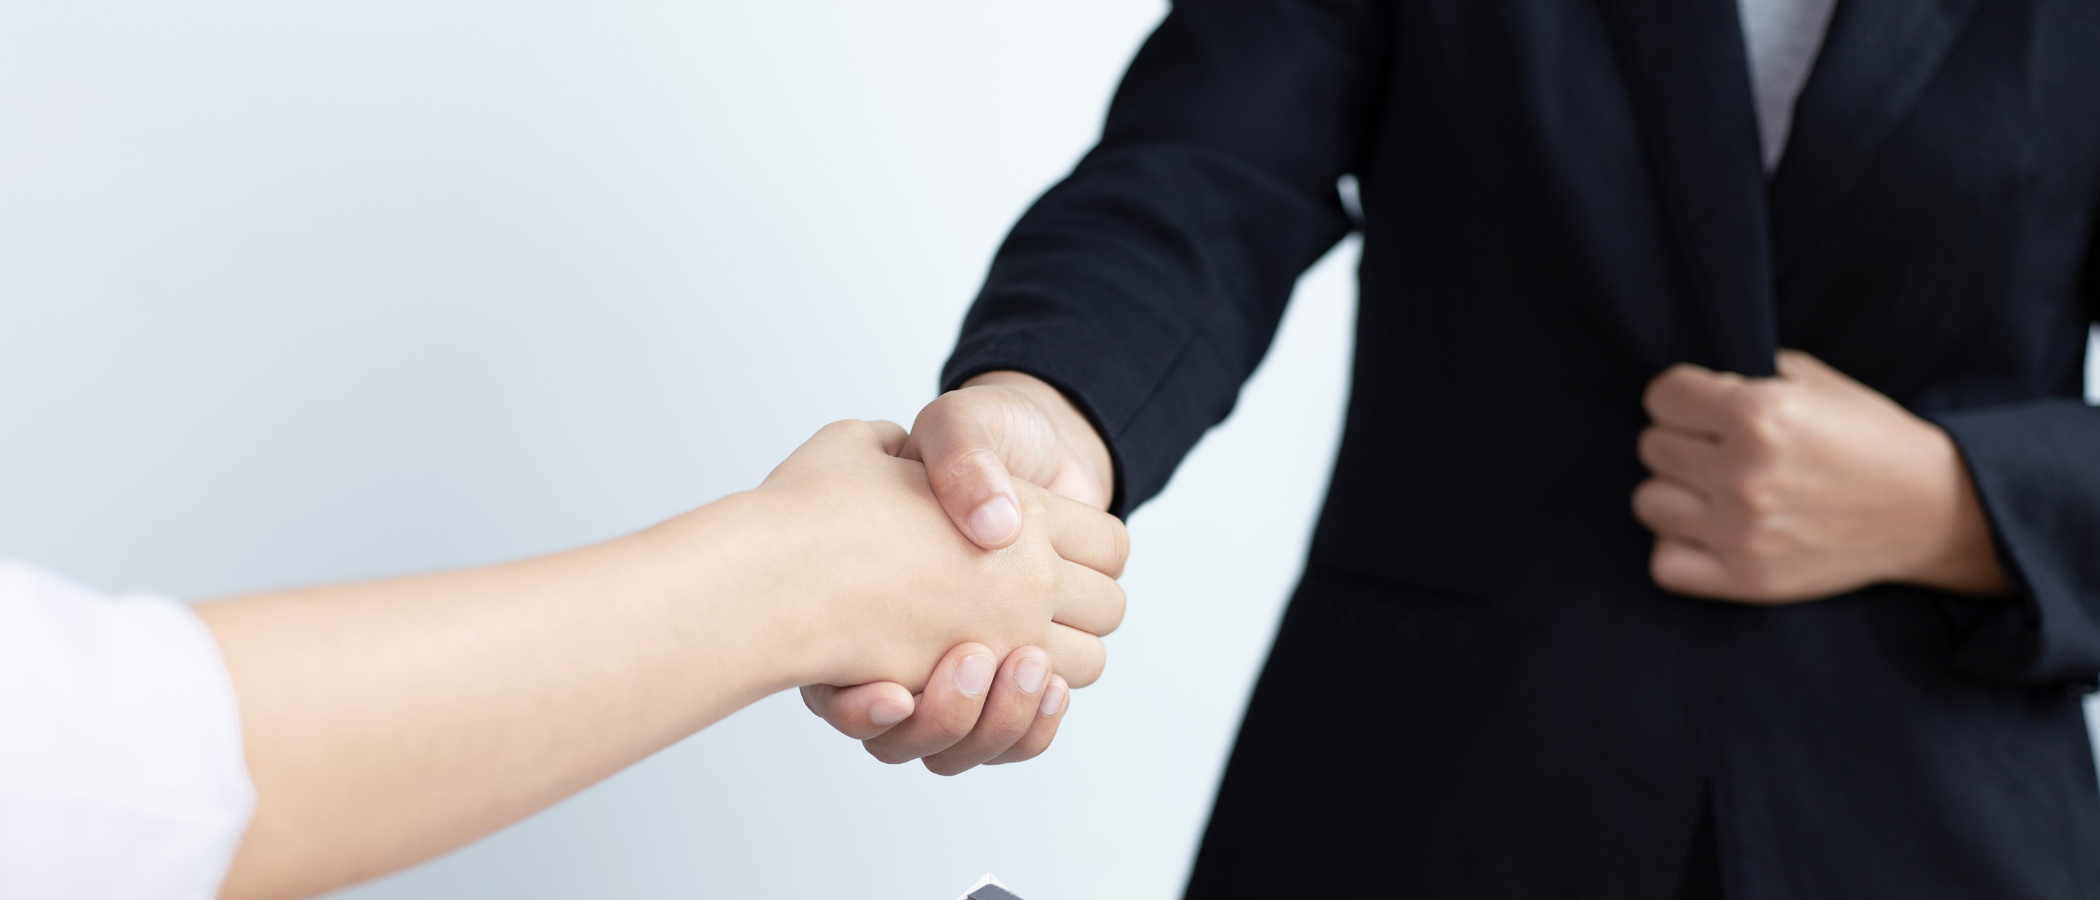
[388, 722]
[392, 721]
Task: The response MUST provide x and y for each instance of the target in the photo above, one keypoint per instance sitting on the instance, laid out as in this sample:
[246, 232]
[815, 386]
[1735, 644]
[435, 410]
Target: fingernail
[1053, 699]
[1030, 674]
[887, 712]
[973, 675]
[995, 521]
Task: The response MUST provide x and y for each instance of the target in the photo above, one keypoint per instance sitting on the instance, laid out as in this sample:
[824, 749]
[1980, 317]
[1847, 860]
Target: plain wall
[303, 292]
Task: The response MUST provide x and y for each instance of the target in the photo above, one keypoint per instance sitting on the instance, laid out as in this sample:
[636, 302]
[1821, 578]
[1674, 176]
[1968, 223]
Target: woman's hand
[863, 549]
[982, 445]
[1780, 490]
[973, 709]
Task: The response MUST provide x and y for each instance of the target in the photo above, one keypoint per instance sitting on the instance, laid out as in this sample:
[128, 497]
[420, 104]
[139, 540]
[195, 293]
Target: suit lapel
[1877, 58]
[1689, 80]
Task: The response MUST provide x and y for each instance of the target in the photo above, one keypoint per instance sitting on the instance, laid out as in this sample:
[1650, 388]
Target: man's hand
[1780, 490]
[966, 717]
[974, 442]
[1000, 426]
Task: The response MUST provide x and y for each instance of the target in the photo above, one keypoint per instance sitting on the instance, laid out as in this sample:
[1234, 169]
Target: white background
[301, 292]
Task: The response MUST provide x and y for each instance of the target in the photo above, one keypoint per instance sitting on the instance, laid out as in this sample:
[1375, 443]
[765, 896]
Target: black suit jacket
[1478, 692]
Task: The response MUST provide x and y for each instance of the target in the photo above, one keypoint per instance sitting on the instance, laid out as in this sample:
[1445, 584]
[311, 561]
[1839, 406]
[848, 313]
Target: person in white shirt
[285, 744]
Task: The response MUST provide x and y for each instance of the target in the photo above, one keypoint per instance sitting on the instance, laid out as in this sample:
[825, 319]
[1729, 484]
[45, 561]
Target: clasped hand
[1809, 484]
[986, 450]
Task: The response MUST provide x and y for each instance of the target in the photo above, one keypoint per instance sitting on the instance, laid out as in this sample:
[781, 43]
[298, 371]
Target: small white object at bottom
[988, 878]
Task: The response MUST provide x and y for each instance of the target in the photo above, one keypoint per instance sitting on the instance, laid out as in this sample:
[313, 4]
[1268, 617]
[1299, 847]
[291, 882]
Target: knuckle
[886, 429]
[1118, 607]
[1039, 578]
[1765, 414]
[1754, 491]
[1008, 728]
[962, 461]
[1088, 671]
[1033, 505]
[950, 414]
[850, 431]
[955, 724]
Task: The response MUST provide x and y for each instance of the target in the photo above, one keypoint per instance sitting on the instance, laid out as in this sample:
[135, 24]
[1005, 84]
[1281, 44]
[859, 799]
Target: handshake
[936, 595]
[948, 602]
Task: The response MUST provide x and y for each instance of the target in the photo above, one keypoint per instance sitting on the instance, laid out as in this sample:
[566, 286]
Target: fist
[1798, 487]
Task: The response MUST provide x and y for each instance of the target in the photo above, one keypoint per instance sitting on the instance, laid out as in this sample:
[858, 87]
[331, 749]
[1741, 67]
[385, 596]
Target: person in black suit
[1577, 277]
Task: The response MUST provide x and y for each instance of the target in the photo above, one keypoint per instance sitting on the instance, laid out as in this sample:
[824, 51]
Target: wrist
[1959, 552]
[741, 565]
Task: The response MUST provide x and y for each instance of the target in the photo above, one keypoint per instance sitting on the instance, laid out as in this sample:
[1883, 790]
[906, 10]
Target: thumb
[960, 440]
[862, 711]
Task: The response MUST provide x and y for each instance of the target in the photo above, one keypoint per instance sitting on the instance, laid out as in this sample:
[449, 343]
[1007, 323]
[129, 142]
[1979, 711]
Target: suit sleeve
[2036, 468]
[1148, 284]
